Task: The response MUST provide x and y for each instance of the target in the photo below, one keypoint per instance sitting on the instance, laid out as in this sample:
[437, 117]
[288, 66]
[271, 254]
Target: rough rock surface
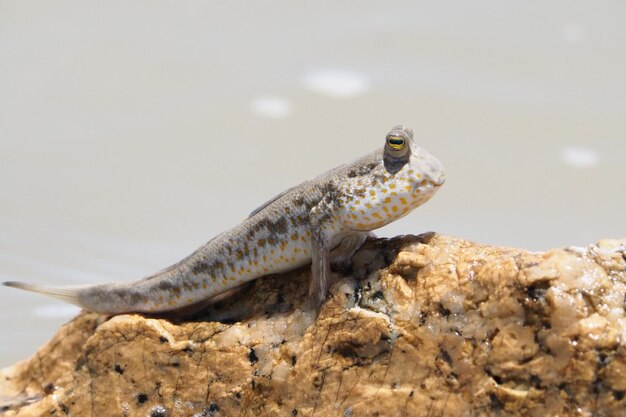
[422, 326]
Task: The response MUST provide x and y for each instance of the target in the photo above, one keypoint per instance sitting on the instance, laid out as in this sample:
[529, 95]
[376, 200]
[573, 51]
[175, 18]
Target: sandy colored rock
[422, 326]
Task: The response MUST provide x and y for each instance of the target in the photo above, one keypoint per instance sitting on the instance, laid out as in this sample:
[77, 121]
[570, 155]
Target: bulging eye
[397, 141]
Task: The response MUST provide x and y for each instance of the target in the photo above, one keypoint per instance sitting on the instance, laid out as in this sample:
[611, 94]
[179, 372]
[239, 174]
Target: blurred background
[131, 132]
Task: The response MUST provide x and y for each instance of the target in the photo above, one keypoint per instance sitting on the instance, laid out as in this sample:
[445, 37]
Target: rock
[422, 326]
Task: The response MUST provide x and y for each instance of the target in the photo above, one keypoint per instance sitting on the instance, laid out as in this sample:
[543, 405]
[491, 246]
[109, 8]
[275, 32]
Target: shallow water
[131, 133]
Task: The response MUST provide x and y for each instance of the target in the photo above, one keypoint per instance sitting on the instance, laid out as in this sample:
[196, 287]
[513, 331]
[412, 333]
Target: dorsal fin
[270, 201]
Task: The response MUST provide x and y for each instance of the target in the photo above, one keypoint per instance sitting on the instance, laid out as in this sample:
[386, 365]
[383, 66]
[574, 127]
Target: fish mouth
[422, 187]
[429, 183]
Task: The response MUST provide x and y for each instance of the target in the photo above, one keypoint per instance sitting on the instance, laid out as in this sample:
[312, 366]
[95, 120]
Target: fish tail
[67, 294]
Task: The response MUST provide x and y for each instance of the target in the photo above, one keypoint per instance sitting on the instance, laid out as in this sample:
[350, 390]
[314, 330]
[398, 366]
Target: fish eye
[396, 142]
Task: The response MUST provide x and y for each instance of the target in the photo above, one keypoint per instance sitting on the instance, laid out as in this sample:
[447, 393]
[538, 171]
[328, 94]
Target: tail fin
[67, 294]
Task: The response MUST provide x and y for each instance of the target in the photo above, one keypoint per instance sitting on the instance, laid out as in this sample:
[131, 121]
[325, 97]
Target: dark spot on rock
[318, 380]
[80, 362]
[493, 376]
[597, 386]
[496, 403]
[563, 386]
[619, 395]
[444, 311]
[293, 360]
[188, 350]
[357, 291]
[411, 394]
[535, 381]
[378, 295]
[119, 369]
[163, 339]
[252, 356]
[524, 361]
[348, 349]
[48, 389]
[64, 408]
[537, 291]
[213, 409]
[238, 395]
[445, 356]
[294, 412]
[141, 398]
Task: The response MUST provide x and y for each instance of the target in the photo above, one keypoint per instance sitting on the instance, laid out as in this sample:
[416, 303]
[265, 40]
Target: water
[131, 133]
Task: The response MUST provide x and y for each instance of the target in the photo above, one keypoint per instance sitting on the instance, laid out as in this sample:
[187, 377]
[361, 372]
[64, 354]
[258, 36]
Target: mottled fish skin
[304, 224]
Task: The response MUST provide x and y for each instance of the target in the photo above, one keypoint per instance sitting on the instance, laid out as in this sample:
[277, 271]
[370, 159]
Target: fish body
[323, 219]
